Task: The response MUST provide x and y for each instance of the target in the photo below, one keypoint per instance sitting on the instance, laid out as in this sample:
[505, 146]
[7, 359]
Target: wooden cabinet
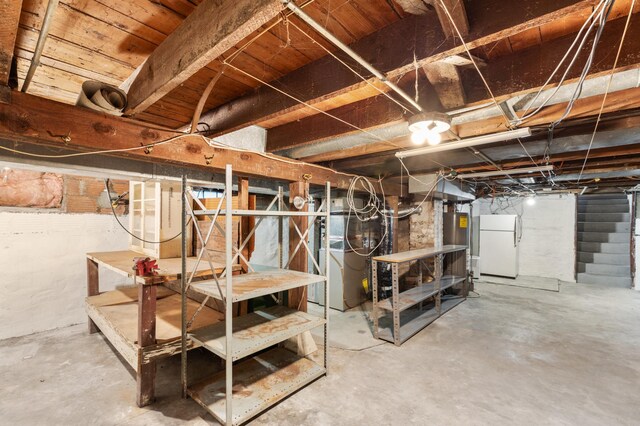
[155, 215]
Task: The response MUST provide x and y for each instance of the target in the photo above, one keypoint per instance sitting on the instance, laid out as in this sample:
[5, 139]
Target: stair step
[597, 202]
[604, 280]
[604, 217]
[603, 227]
[621, 259]
[604, 208]
[601, 269]
[610, 248]
[612, 196]
[604, 237]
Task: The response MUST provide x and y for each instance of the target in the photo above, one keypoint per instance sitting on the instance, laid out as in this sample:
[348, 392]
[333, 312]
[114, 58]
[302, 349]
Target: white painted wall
[547, 244]
[42, 259]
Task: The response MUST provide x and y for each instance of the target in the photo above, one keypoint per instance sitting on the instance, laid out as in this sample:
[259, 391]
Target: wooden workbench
[142, 320]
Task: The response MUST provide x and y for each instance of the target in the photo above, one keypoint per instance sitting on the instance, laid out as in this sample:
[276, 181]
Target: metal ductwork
[441, 189]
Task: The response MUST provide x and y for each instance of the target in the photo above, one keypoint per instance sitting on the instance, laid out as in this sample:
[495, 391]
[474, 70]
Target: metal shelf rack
[264, 377]
[406, 322]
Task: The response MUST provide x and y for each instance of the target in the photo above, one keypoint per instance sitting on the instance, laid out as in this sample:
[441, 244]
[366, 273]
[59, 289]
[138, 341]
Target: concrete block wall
[42, 248]
[547, 245]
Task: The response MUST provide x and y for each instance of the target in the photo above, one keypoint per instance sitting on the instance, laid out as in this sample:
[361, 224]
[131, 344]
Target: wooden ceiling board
[73, 55]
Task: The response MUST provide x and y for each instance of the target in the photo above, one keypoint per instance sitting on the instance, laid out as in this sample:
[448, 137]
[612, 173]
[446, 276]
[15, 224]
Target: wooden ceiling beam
[214, 27]
[520, 73]
[527, 70]
[9, 20]
[457, 12]
[445, 78]
[391, 50]
[30, 119]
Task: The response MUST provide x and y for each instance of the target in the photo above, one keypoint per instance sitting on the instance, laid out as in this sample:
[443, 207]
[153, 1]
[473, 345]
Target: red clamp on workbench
[145, 266]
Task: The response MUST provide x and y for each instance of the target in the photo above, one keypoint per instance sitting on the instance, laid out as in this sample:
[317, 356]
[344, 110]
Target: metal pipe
[44, 32]
[228, 314]
[183, 291]
[346, 49]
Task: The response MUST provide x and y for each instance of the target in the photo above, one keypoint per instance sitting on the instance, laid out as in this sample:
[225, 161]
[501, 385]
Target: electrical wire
[104, 151]
[308, 105]
[473, 61]
[598, 17]
[113, 210]
[606, 92]
[386, 94]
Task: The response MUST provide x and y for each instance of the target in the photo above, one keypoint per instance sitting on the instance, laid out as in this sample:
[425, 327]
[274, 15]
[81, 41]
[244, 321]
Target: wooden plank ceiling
[411, 41]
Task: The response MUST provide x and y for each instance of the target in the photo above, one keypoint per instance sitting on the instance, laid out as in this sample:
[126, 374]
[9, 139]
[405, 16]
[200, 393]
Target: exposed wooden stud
[243, 204]
[9, 19]
[213, 28]
[298, 296]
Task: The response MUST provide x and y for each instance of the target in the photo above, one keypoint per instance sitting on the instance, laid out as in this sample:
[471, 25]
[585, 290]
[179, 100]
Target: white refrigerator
[499, 245]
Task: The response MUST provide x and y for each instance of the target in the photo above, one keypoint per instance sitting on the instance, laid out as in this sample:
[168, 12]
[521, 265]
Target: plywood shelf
[258, 383]
[256, 284]
[121, 262]
[408, 256]
[418, 294]
[257, 331]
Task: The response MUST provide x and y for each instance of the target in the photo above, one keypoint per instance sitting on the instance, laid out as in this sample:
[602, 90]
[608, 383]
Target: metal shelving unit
[405, 321]
[271, 375]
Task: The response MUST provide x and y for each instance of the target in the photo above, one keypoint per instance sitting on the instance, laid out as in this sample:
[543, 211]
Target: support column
[146, 373]
[298, 296]
[93, 288]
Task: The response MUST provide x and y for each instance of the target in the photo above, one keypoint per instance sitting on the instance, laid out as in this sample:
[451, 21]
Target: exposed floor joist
[212, 29]
[391, 50]
[508, 76]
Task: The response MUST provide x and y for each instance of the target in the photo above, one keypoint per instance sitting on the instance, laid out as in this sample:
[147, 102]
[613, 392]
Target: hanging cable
[113, 210]
[604, 97]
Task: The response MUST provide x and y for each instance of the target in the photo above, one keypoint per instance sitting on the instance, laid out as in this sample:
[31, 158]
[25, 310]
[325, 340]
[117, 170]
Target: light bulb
[434, 138]
[531, 201]
[419, 137]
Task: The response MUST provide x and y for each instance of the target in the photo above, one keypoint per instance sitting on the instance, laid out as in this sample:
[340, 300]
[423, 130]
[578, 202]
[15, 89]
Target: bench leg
[93, 288]
[146, 374]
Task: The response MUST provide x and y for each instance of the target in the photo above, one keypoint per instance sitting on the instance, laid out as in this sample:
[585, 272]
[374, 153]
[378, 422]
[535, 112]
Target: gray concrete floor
[511, 356]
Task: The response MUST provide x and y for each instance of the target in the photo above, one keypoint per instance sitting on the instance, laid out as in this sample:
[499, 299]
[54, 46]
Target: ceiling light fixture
[464, 143]
[547, 168]
[428, 126]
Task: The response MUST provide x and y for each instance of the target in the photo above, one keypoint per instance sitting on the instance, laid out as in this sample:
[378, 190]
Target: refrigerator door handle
[515, 234]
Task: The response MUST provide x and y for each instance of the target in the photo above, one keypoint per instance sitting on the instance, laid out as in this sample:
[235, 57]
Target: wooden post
[298, 296]
[243, 204]
[146, 373]
[245, 228]
[93, 288]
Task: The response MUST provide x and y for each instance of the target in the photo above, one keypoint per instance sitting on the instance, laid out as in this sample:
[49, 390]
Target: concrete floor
[511, 356]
